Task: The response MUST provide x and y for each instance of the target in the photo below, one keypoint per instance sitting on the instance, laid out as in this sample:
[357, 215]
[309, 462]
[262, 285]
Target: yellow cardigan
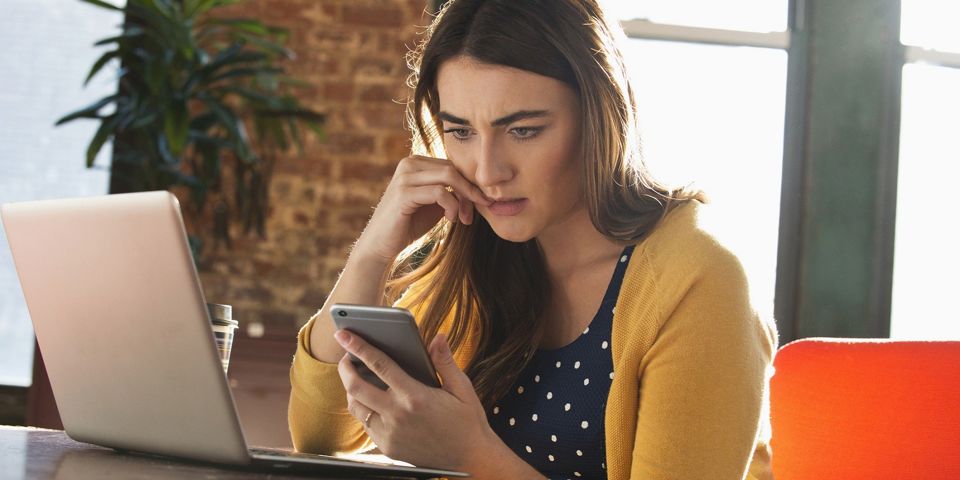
[692, 361]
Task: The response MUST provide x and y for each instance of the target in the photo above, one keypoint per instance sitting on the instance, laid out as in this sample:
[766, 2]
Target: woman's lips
[508, 208]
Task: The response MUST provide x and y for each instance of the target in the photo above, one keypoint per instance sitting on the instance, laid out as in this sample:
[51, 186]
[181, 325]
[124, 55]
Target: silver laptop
[122, 324]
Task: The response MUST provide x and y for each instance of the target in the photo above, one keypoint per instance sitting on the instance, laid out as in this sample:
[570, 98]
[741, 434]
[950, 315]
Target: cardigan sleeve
[703, 382]
[317, 414]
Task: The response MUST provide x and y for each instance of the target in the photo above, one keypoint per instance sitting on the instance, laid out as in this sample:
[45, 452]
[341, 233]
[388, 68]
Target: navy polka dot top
[553, 415]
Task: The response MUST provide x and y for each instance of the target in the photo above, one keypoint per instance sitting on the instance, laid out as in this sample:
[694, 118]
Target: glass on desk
[224, 328]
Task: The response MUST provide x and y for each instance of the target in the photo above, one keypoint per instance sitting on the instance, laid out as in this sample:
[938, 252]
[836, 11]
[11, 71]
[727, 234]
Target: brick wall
[353, 53]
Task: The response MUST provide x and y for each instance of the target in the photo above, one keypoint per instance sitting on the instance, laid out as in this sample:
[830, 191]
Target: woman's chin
[511, 231]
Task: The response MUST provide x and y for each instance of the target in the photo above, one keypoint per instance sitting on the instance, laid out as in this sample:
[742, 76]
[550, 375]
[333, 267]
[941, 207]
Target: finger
[454, 380]
[470, 212]
[433, 194]
[378, 362]
[447, 174]
[359, 411]
[463, 211]
[359, 389]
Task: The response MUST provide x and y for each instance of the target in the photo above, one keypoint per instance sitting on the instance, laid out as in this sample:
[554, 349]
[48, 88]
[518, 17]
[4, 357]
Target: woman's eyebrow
[506, 120]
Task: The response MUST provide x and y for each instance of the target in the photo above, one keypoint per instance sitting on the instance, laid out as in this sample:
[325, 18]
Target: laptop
[122, 324]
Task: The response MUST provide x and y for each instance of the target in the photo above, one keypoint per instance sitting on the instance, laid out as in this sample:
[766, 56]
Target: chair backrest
[866, 409]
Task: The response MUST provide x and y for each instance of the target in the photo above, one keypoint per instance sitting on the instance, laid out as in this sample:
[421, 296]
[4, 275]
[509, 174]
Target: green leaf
[90, 111]
[295, 134]
[192, 8]
[143, 121]
[106, 57]
[243, 24]
[169, 32]
[103, 5]
[175, 126]
[130, 32]
[165, 7]
[103, 134]
[294, 82]
[252, 95]
[232, 56]
[224, 3]
[202, 140]
[316, 129]
[234, 126]
[274, 48]
[246, 72]
[163, 149]
[203, 122]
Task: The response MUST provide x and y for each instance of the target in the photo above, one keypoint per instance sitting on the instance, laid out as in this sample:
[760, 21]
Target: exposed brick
[375, 15]
[334, 39]
[352, 51]
[377, 67]
[396, 145]
[378, 116]
[355, 218]
[349, 143]
[366, 170]
[381, 94]
[341, 91]
[327, 243]
[278, 319]
[257, 293]
[313, 296]
[301, 218]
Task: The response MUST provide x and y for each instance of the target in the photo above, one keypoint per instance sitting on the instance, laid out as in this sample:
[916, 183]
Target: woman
[595, 329]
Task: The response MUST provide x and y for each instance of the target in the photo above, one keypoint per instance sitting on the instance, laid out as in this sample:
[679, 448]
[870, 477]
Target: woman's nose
[493, 166]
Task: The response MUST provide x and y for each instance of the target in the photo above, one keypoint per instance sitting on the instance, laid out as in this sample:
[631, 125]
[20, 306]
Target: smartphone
[394, 332]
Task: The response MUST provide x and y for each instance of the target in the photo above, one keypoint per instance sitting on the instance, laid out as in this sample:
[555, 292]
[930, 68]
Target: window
[732, 15]
[50, 44]
[926, 258]
[711, 87]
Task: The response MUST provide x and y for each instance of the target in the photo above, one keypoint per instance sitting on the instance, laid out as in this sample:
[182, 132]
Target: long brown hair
[497, 289]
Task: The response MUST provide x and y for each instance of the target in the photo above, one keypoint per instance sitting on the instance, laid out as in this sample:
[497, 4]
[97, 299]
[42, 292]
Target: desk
[31, 454]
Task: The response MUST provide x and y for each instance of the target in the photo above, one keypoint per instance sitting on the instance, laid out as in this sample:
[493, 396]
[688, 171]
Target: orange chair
[854, 409]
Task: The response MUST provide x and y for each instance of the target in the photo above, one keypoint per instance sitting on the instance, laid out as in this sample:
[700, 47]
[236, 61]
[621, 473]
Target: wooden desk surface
[30, 454]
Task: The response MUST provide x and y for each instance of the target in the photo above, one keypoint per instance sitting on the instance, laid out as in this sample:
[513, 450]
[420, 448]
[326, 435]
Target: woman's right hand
[414, 201]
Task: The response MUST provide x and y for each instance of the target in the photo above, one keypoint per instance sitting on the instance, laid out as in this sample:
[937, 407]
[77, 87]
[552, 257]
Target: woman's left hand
[440, 427]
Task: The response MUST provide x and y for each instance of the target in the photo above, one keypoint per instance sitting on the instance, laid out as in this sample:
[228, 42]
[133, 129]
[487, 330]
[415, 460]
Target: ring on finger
[448, 188]
[366, 420]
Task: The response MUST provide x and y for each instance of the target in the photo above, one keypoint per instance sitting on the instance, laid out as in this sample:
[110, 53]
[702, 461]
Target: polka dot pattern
[553, 416]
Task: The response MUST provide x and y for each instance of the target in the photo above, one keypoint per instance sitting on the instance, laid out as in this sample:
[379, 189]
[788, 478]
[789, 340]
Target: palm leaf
[103, 134]
[90, 111]
[103, 5]
[106, 57]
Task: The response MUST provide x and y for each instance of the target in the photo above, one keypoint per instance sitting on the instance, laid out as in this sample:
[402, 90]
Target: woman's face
[516, 135]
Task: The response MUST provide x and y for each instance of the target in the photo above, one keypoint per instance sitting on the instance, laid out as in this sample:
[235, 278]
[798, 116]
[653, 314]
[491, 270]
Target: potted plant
[190, 83]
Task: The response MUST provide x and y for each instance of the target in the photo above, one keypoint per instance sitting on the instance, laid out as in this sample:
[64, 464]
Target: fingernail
[444, 347]
[342, 337]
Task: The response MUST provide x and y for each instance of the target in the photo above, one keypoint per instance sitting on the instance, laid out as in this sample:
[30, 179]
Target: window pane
[931, 24]
[50, 44]
[748, 15]
[926, 259]
[714, 115]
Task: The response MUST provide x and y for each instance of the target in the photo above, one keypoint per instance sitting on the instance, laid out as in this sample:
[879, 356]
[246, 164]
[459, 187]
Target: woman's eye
[458, 133]
[525, 133]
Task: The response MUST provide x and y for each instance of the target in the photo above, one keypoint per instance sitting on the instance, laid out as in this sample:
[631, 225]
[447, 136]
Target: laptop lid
[122, 325]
